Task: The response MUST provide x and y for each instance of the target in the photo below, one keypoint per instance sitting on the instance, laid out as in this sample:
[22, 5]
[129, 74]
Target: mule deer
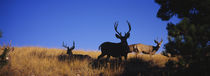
[76, 56]
[146, 49]
[135, 49]
[5, 54]
[69, 50]
[116, 49]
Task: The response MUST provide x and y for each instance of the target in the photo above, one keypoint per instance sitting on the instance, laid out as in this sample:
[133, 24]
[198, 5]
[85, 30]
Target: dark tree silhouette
[190, 38]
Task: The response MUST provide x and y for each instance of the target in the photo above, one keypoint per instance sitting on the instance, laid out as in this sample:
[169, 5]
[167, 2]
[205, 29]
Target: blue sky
[47, 23]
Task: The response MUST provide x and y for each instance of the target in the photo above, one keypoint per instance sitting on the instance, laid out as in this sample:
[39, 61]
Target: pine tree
[190, 37]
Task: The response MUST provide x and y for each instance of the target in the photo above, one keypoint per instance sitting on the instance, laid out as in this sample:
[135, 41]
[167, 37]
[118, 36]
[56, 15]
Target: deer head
[119, 35]
[158, 43]
[69, 50]
[135, 49]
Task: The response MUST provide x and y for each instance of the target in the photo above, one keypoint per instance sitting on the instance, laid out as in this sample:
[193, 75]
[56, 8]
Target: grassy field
[35, 61]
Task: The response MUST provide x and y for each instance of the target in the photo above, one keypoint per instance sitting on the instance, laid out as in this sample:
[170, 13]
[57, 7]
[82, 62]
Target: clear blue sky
[47, 23]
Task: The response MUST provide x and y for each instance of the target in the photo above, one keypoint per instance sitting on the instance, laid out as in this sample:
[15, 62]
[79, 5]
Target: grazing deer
[116, 49]
[146, 49]
[76, 56]
[135, 49]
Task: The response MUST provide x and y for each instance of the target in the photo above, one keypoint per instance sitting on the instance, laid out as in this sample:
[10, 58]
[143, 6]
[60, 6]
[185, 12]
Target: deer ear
[127, 35]
[155, 41]
[117, 36]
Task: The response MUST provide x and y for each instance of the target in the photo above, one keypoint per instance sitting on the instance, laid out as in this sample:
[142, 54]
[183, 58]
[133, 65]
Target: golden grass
[35, 61]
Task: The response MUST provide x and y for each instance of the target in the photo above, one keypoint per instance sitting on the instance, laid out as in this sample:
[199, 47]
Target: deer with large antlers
[71, 55]
[69, 50]
[146, 49]
[116, 49]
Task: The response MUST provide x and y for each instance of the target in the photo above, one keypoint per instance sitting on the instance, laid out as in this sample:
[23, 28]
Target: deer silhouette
[116, 49]
[74, 56]
[69, 50]
[146, 49]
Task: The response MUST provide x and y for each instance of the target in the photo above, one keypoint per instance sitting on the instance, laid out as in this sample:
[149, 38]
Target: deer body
[146, 49]
[116, 49]
[74, 56]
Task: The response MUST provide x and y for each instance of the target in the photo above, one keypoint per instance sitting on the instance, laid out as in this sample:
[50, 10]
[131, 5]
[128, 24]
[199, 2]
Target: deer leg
[102, 55]
[125, 57]
[150, 55]
[120, 58]
[136, 55]
[107, 58]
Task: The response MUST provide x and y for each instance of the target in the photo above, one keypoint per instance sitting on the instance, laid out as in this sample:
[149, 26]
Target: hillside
[35, 61]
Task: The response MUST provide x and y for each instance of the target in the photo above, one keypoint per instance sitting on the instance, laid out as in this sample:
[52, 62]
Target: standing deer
[116, 49]
[146, 49]
[71, 55]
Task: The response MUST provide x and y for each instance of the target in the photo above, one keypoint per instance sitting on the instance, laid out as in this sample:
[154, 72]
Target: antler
[161, 40]
[65, 45]
[115, 27]
[129, 27]
[127, 34]
[73, 45]
[10, 46]
[157, 41]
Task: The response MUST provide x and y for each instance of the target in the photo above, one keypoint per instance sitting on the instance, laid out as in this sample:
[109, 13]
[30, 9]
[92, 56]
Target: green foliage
[192, 34]
[186, 38]
[193, 9]
[189, 38]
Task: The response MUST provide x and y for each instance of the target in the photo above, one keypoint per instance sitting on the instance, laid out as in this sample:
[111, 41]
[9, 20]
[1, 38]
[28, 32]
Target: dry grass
[34, 61]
